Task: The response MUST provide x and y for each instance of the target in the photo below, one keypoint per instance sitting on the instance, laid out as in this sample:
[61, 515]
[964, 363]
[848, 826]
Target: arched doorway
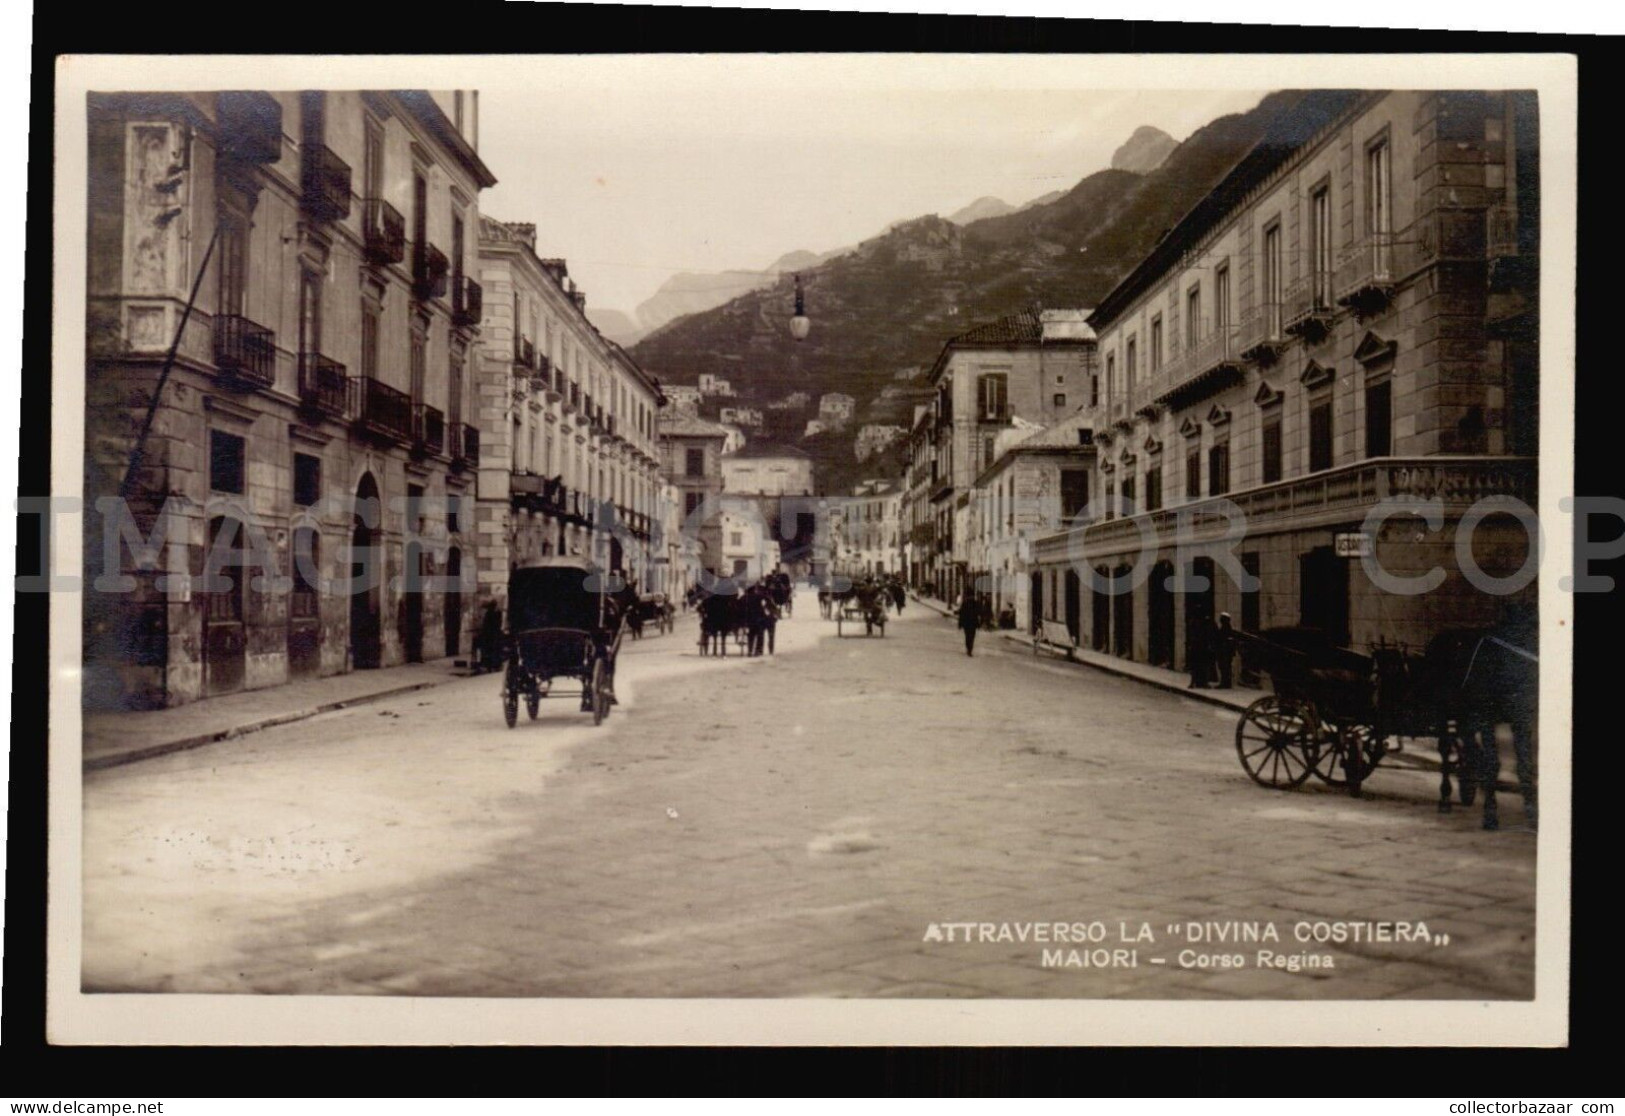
[1101, 607]
[1160, 616]
[366, 578]
[1199, 605]
[1123, 613]
[1037, 615]
[417, 570]
[225, 640]
[454, 602]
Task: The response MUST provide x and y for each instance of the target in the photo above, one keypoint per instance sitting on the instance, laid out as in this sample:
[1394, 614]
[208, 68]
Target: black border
[27, 1063]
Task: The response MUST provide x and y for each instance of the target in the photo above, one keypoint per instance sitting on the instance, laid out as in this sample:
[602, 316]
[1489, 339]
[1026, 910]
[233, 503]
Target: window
[1193, 473]
[226, 455]
[1218, 469]
[989, 445]
[1320, 436]
[310, 311]
[1111, 375]
[307, 479]
[369, 339]
[456, 252]
[415, 519]
[372, 161]
[1193, 317]
[1132, 357]
[1379, 419]
[1271, 465]
[1153, 488]
[1128, 495]
[736, 538]
[1060, 399]
[1156, 343]
[1074, 493]
[692, 501]
[420, 362]
[454, 388]
[992, 391]
[1378, 193]
[420, 214]
[694, 463]
[233, 261]
[1320, 245]
[1094, 391]
[1221, 297]
[303, 603]
[1272, 279]
[1111, 500]
[454, 514]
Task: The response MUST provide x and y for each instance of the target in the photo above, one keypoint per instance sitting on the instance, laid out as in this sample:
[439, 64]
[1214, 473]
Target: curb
[152, 751]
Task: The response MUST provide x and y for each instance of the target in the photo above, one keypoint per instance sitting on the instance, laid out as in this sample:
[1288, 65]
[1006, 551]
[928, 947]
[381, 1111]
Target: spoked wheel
[533, 703]
[1351, 744]
[600, 693]
[510, 706]
[1275, 741]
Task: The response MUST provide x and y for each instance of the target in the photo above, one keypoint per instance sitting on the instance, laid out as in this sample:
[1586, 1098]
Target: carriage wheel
[510, 706]
[533, 703]
[1275, 741]
[1359, 741]
[600, 693]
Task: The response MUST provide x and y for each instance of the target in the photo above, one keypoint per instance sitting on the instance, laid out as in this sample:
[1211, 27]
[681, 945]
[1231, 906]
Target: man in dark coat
[1224, 650]
[1199, 651]
[970, 619]
[489, 656]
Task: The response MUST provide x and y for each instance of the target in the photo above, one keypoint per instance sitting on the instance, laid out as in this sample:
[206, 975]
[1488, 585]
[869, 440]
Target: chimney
[580, 299]
[557, 269]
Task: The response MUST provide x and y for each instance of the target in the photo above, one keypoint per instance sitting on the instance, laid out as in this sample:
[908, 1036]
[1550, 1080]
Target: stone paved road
[789, 826]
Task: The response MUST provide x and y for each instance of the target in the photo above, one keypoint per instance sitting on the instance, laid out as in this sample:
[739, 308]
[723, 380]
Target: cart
[562, 623]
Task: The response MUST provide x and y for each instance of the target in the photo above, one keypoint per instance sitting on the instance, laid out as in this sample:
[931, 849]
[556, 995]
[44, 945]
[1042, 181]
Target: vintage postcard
[812, 549]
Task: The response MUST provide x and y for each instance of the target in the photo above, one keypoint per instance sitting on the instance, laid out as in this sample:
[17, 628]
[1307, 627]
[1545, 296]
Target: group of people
[728, 610]
[1211, 652]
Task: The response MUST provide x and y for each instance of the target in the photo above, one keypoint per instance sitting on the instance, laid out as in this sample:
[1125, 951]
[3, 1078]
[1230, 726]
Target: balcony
[385, 230]
[1309, 311]
[430, 269]
[1366, 275]
[1329, 497]
[1212, 364]
[244, 352]
[471, 445]
[467, 302]
[1260, 337]
[428, 429]
[250, 126]
[324, 388]
[380, 410]
[462, 445]
[524, 352]
[326, 183]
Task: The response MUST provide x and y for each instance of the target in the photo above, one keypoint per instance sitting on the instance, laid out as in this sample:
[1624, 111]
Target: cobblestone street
[806, 824]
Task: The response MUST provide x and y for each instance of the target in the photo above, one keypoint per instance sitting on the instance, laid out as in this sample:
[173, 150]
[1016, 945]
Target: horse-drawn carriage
[562, 623]
[864, 604]
[652, 609]
[1336, 714]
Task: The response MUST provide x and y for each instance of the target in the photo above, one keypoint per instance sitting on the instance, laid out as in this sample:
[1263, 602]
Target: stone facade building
[691, 448]
[570, 462]
[768, 470]
[1347, 319]
[315, 423]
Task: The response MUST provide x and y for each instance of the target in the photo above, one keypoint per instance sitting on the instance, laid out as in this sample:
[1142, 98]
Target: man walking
[1224, 649]
[1199, 651]
[970, 619]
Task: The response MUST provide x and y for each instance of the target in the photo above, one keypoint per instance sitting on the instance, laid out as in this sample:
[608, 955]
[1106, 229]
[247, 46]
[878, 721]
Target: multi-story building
[1345, 322]
[836, 409]
[683, 397]
[768, 470]
[311, 259]
[875, 437]
[1039, 483]
[867, 530]
[569, 462]
[1038, 365]
[692, 450]
[916, 514]
[740, 416]
[712, 384]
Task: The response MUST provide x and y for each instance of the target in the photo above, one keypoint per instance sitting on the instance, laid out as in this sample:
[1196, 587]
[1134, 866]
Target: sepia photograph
[828, 547]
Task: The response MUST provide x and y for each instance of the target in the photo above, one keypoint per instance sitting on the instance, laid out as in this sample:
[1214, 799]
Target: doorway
[1074, 623]
[454, 602]
[1198, 604]
[1036, 603]
[225, 642]
[1101, 606]
[366, 578]
[1323, 593]
[1123, 613]
[1160, 616]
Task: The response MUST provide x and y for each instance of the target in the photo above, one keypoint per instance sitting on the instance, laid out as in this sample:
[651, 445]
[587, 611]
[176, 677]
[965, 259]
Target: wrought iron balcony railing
[1260, 336]
[1309, 309]
[244, 351]
[467, 301]
[250, 126]
[430, 270]
[326, 183]
[380, 410]
[324, 387]
[385, 231]
[428, 429]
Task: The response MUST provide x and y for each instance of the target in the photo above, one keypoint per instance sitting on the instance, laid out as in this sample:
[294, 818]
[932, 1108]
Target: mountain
[1043, 199]
[1144, 151]
[615, 325]
[980, 208]
[894, 300]
[691, 292]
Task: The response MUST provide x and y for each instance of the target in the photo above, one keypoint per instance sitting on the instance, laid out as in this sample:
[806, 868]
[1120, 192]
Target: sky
[637, 167]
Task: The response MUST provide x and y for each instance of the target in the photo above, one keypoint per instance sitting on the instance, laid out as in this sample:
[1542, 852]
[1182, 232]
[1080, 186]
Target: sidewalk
[113, 738]
[1177, 682]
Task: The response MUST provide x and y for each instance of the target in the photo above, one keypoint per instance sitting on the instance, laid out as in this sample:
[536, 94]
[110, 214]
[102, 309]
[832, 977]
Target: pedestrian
[489, 655]
[970, 619]
[1199, 651]
[1224, 649]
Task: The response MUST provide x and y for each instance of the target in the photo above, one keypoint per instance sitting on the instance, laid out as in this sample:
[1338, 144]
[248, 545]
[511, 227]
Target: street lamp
[800, 324]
